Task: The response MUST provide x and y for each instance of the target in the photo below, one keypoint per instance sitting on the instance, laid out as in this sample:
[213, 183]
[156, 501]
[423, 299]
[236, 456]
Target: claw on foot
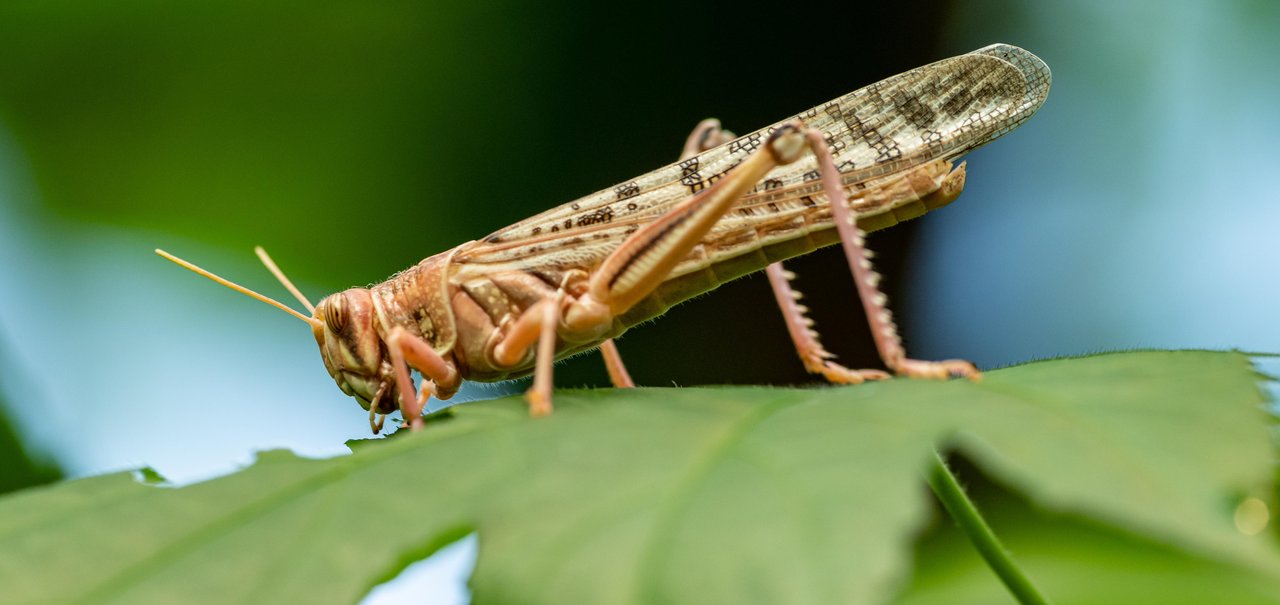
[414, 425]
[839, 374]
[539, 403]
[939, 370]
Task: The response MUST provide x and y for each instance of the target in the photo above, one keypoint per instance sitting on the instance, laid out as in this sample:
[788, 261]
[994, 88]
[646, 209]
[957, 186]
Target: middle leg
[536, 325]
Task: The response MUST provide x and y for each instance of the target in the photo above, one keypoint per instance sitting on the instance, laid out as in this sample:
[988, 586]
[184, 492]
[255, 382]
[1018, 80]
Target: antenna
[288, 285]
[315, 323]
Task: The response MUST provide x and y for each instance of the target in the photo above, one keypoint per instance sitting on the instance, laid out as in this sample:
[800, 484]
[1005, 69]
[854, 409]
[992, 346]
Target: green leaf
[734, 495]
[1161, 443]
[1074, 560]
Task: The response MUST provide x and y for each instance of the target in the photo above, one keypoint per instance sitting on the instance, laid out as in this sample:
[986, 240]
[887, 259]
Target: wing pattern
[931, 114]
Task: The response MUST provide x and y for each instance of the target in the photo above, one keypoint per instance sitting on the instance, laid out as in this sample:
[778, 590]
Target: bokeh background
[1137, 209]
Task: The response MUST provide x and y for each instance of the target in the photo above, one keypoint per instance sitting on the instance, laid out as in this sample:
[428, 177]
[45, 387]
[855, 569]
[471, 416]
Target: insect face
[343, 325]
[352, 350]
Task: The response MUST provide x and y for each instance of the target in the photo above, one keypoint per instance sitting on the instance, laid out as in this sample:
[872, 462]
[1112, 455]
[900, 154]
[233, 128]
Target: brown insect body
[586, 271]
[456, 308]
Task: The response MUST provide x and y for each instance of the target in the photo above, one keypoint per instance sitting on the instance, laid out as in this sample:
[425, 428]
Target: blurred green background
[352, 140]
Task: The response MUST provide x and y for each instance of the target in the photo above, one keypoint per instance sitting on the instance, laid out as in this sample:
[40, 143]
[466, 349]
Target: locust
[577, 276]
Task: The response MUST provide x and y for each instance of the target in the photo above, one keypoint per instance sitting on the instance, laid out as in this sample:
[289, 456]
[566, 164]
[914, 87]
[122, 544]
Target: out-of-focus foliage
[18, 467]
[224, 121]
[354, 140]
[735, 495]
[1073, 559]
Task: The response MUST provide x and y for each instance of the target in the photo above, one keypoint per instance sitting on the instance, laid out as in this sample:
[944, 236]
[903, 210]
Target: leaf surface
[728, 495]
[1074, 560]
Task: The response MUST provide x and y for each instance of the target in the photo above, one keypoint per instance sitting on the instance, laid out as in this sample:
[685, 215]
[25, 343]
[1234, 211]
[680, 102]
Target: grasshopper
[577, 276]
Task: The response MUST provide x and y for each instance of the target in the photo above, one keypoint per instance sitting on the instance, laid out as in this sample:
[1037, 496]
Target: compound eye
[335, 314]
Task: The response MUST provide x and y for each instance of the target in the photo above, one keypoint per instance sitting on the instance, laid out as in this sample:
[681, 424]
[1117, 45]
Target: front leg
[442, 377]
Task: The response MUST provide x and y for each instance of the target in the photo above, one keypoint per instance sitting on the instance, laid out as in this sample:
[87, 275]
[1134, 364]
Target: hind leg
[705, 135]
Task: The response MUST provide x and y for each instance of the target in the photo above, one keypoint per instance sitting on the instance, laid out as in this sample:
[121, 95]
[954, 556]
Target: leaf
[1162, 443]
[735, 495]
[1074, 560]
